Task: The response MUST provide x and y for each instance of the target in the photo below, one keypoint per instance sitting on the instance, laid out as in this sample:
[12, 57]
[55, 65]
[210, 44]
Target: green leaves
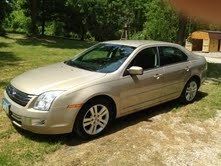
[99, 19]
[162, 22]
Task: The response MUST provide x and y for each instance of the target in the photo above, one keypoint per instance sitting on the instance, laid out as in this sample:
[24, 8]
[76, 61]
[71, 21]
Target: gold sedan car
[107, 81]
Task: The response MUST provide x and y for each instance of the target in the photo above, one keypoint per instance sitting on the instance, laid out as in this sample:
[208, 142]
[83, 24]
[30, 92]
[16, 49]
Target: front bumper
[58, 120]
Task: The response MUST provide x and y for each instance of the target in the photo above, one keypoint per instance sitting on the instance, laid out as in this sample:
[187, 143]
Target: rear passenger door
[176, 70]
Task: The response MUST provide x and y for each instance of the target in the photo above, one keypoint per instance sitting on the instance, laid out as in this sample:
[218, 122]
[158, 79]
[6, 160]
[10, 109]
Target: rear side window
[171, 55]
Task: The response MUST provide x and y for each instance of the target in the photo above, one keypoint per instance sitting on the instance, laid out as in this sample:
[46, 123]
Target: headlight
[45, 100]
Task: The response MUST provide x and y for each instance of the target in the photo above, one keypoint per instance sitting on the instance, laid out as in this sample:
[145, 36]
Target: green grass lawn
[19, 54]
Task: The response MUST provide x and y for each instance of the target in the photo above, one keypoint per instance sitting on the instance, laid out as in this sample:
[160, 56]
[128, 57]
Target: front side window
[147, 58]
[104, 58]
[171, 55]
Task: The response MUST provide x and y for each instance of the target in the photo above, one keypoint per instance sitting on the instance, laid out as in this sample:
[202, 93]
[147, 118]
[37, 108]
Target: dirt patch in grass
[164, 139]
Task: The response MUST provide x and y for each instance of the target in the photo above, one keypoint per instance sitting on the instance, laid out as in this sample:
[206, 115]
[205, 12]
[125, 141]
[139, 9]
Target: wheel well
[108, 98]
[197, 78]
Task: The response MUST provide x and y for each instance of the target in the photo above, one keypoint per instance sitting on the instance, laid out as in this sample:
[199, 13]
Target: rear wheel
[190, 91]
[93, 118]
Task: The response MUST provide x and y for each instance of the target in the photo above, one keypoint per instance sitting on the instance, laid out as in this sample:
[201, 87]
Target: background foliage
[97, 19]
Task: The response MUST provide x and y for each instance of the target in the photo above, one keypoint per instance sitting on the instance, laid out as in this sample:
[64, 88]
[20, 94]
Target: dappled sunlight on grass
[206, 107]
[25, 151]
[214, 70]
[17, 55]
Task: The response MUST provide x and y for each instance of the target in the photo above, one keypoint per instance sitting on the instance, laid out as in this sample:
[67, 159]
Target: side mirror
[135, 70]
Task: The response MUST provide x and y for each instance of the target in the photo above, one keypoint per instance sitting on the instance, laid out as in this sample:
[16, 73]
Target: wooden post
[125, 33]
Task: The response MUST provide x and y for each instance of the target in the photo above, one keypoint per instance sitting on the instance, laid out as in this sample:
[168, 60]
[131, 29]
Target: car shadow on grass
[119, 124]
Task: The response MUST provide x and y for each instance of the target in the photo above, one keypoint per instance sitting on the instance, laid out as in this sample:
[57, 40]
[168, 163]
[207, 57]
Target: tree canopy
[96, 19]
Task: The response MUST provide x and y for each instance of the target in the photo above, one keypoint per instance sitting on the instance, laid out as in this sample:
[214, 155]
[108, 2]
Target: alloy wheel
[191, 91]
[96, 119]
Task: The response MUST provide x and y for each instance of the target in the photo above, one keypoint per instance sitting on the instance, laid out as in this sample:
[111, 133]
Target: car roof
[137, 43]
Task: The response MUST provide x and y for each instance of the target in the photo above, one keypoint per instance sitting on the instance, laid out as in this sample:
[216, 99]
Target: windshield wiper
[73, 64]
[85, 67]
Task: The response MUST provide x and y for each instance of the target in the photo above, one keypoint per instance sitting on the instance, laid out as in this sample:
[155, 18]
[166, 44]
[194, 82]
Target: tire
[94, 118]
[190, 91]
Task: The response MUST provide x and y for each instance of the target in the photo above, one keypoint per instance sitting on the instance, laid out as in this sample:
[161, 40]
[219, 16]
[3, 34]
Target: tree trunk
[82, 33]
[33, 6]
[181, 35]
[43, 18]
[43, 27]
[3, 11]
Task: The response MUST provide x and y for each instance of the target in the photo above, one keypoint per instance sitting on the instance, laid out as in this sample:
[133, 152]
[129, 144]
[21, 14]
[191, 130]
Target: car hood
[53, 77]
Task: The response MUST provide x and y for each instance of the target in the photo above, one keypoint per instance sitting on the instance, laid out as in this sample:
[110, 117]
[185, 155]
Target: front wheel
[190, 91]
[93, 118]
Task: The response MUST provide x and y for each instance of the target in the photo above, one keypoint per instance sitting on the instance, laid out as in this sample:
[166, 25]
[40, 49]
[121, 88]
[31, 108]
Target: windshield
[104, 57]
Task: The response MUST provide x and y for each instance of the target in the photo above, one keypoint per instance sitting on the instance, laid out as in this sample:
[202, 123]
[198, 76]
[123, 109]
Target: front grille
[17, 96]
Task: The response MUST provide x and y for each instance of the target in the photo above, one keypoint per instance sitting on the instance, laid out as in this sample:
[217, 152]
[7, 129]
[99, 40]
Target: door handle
[157, 76]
